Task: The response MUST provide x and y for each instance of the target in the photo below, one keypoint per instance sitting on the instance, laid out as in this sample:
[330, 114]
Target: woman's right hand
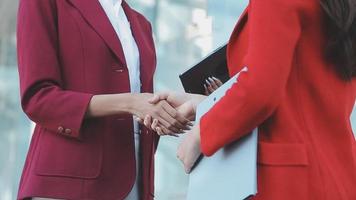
[184, 103]
[167, 116]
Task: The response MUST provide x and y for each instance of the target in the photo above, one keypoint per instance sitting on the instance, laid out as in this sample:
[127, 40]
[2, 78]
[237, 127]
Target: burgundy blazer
[306, 146]
[67, 52]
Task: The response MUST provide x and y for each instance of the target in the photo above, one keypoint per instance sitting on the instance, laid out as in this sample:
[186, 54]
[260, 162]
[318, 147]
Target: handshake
[168, 113]
[171, 113]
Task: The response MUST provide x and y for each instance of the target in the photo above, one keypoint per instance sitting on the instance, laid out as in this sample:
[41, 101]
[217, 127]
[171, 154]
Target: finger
[154, 124]
[171, 116]
[211, 89]
[209, 86]
[148, 121]
[179, 115]
[206, 91]
[139, 120]
[158, 97]
[166, 131]
[179, 121]
[155, 99]
[218, 81]
[162, 131]
[213, 84]
[166, 124]
[162, 116]
[159, 131]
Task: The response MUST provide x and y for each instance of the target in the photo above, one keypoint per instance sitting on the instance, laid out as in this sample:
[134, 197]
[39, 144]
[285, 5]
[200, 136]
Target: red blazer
[68, 52]
[301, 106]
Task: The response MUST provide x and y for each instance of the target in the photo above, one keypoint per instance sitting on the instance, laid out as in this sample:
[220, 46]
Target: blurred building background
[185, 31]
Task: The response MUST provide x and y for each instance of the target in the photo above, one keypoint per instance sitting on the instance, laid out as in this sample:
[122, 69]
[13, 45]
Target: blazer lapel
[140, 35]
[97, 18]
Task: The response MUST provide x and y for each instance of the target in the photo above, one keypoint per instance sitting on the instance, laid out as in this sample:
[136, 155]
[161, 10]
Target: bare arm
[111, 104]
[137, 105]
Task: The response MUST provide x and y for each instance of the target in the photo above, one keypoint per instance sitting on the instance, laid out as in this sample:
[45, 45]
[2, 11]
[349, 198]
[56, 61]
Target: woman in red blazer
[299, 90]
[75, 86]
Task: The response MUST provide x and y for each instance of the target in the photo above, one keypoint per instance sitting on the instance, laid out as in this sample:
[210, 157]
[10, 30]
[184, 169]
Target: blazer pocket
[282, 154]
[282, 171]
[63, 157]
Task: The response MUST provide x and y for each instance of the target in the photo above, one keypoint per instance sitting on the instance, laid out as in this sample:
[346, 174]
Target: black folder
[214, 65]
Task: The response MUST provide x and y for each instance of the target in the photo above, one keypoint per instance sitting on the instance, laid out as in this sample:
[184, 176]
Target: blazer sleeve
[43, 98]
[274, 30]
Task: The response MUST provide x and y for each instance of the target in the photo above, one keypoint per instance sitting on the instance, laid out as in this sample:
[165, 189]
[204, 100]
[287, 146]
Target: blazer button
[68, 131]
[60, 129]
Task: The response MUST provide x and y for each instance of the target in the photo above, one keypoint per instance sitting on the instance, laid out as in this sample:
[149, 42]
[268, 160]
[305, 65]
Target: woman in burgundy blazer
[83, 144]
[300, 98]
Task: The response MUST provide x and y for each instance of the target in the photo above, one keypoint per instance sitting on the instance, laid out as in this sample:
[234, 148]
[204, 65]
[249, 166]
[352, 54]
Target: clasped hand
[182, 107]
[178, 106]
[185, 104]
[167, 118]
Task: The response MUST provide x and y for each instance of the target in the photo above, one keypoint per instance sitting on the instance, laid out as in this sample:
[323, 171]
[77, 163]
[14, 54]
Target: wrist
[133, 102]
[127, 105]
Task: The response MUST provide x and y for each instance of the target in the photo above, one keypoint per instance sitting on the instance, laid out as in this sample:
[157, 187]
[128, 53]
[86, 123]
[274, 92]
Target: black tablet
[214, 65]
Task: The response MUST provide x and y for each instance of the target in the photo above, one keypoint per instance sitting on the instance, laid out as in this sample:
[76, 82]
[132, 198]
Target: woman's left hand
[189, 150]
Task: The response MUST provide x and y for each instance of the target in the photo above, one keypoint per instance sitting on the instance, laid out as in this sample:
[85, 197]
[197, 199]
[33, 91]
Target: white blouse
[121, 24]
[122, 27]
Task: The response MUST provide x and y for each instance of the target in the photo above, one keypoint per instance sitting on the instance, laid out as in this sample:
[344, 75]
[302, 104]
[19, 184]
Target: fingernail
[210, 79]
[215, 78]
[207, 82]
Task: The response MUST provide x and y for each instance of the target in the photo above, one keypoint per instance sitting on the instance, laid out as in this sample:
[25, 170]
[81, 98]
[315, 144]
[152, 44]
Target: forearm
[111, 104]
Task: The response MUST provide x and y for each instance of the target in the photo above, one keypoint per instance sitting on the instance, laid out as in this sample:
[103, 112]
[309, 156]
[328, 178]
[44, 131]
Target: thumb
[187, 110]
[158, 97]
